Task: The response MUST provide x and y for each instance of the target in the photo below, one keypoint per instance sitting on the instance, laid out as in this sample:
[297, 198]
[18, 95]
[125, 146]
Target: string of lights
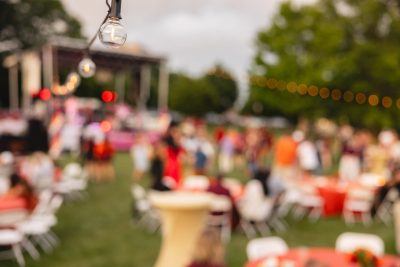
[324, 93]
[313, 91]
[111, 34]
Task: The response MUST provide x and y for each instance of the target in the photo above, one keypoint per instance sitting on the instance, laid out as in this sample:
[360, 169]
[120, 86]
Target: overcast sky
[192, 34]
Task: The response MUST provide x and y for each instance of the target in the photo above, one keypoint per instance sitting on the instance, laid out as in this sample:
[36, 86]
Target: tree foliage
[213, 92]
[347, 44]
[225, 87]
[30, 23]
[191, 96]
[25, 24]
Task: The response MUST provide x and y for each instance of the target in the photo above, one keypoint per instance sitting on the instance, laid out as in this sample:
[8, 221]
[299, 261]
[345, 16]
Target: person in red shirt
[173, 152]
[217, 187]
[103, 153]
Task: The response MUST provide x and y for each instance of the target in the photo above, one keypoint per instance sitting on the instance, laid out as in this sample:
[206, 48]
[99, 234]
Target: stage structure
[40, 68]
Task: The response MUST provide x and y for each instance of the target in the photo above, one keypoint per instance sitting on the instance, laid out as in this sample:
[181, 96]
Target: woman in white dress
[140, 153]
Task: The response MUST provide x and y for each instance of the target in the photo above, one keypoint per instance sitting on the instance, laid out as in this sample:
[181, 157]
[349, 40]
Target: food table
[334, 192]
[334, 196]
[12, 203]
[321, 257]
[12, 210]
[182, 218]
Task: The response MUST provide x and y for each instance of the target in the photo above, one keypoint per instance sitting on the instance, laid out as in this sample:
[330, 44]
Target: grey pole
[163, 85]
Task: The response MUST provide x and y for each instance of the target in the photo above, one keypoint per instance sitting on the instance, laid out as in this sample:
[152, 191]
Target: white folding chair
[38, 225]
[72, 170]
[74, 181]
[370, 179]
[309, 201]
[289, 201]
[146, 215]
[360, 201]
[349, 242]
[385, 210]
[220, 215]
[196, 182]
[264, 247]
[255, 210]
[14, 239]
[11, 217]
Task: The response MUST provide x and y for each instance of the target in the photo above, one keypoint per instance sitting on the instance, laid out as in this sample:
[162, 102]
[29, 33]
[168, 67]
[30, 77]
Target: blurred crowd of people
[268, 162]
[193, 147]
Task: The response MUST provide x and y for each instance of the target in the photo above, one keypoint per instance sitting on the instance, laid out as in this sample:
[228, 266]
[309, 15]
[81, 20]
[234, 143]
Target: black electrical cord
[98, 30]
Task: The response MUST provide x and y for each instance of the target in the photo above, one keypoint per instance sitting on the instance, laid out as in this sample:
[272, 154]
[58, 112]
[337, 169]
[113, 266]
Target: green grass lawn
[97, 231]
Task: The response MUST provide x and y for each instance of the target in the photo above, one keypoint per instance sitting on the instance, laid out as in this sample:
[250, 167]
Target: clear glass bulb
[86, 67]
[112, 33]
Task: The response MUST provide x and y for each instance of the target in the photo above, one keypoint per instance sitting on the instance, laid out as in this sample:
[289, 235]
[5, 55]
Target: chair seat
[10, 237]
[33, 227]
[357, 206]
[143, 205]
[67, 186]
[311, 201]
[48, 219]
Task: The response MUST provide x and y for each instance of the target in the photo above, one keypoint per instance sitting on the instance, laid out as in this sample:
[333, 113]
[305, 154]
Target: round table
[333, 193]
[182, 219]
[12, 203]
[325, 257]
[334, 197]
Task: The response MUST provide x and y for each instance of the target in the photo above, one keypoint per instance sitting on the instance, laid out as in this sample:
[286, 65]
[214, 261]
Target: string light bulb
[112, 33]
[86, 67]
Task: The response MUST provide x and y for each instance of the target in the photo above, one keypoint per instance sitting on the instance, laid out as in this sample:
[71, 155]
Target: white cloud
[194, 35]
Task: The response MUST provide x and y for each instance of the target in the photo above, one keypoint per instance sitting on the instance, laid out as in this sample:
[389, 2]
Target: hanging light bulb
[74, 78]
[112, 33]
[86, 67]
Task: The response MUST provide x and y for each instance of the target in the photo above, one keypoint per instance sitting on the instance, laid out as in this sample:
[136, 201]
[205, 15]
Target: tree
[225, 87]
[191, 96]
[31, 23]
[26, 24]
[348, 44]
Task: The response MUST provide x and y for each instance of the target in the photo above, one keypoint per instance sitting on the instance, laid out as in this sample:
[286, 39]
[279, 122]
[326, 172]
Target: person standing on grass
[226, 152]
[173, 151]
[307, 157]
[104, 152]
[204, 152]
[285, 161]
[140, 153]
[157, 167]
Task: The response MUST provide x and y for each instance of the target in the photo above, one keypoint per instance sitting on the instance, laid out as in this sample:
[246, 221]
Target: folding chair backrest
[349, 242]
[43, 201]
[196, 182]
[72, 170]
[221, 204]
[360, 194]
[138, 192]
[268, 246]
[55, 204]
[392, 195]
[11, 217]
